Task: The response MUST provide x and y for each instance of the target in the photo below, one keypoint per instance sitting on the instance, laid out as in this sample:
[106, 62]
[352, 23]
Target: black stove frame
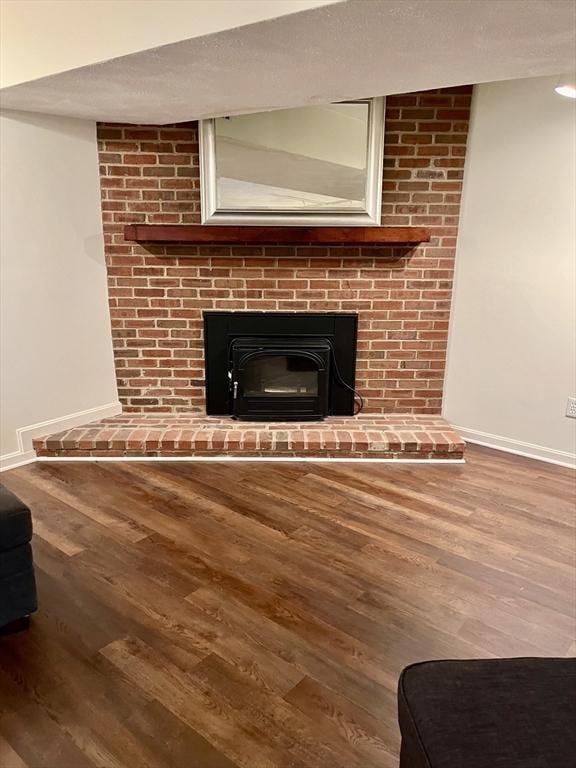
[329, 338]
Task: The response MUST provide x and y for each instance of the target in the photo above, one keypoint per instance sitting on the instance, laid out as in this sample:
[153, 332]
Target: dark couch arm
[17, 583]
[494, 713]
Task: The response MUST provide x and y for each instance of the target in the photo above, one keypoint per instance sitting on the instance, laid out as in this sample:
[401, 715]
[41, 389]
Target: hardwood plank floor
[247, 615]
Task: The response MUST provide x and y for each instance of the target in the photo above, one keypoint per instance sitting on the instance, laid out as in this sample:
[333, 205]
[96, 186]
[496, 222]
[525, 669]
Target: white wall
[43, 37]
[511, 361]
[56, 351]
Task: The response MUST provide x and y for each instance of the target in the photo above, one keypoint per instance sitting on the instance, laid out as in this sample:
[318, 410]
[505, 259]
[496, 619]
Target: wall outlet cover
[571, 407]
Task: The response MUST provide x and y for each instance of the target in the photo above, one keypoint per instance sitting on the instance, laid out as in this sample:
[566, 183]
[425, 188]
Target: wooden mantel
[218, 235]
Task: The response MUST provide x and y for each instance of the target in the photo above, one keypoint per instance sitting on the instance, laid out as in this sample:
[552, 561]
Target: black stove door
[278, 384]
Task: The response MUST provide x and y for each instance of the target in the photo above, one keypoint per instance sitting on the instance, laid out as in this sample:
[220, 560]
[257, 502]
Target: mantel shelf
[218, 235]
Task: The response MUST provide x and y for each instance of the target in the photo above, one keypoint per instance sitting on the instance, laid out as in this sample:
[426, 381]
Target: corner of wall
[25, 453]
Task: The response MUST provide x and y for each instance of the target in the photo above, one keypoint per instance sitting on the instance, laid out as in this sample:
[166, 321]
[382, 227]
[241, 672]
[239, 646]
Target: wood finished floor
[258, 615]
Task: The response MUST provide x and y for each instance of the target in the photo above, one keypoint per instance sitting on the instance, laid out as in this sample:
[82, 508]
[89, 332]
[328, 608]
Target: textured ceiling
[39, 38]
[350, 49]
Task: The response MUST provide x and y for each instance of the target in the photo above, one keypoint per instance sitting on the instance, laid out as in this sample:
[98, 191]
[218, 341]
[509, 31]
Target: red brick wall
[157, 295]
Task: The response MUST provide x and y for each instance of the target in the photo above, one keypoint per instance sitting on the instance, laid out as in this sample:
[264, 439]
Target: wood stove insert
[273, 366]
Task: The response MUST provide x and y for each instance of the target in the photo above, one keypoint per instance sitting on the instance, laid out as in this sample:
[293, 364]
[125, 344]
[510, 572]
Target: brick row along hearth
[157, 294]
[362, 436]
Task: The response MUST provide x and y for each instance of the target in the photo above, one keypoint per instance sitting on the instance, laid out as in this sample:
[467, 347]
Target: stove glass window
[281, 375]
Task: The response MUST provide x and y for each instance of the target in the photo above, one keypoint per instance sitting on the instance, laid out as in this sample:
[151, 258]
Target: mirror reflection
[305, 159]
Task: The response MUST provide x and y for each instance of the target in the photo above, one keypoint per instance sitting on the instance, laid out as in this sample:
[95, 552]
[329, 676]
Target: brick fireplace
[151, 175]
[401, 294]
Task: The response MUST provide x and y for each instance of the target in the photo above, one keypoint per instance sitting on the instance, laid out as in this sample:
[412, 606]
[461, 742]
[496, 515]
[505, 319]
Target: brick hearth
[365, 436]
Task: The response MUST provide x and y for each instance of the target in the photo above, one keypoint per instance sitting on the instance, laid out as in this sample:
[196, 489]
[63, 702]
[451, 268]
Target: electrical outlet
[571, 407]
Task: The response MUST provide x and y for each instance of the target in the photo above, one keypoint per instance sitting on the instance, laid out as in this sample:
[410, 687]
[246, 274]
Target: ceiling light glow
[567, 86]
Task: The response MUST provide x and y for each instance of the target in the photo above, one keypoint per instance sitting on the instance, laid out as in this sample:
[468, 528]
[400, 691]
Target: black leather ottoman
[17, 585]
[497, 713]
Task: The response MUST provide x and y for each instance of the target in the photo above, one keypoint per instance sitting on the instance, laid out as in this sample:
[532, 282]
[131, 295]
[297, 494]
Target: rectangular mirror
[308, 166]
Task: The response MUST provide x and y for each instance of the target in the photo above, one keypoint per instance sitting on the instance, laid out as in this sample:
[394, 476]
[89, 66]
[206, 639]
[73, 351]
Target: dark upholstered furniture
[496, 713]
[17, 585]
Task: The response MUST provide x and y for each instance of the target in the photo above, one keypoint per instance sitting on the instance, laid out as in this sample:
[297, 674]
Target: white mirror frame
[370, 216]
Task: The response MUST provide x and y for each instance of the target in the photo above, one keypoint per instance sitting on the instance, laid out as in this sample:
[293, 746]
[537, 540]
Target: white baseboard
[506, 444]
[24, 435]
[16, 459]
